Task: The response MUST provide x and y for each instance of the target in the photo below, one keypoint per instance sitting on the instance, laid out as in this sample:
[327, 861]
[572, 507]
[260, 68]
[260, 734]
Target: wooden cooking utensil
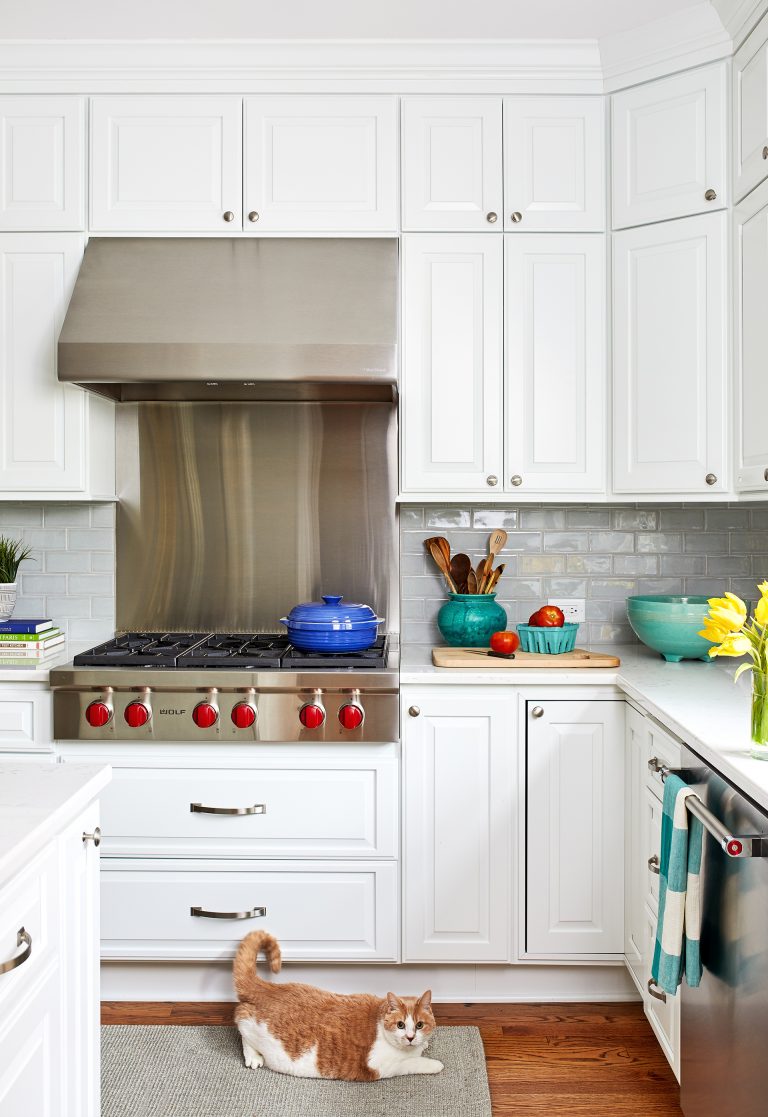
[496, 543]
[444, 546]
[434, 548]
[460, 568]
[496, 574]
[480, 574]
[471, 582]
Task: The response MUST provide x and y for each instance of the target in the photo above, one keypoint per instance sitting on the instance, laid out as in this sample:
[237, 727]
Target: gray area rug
[162, 1071]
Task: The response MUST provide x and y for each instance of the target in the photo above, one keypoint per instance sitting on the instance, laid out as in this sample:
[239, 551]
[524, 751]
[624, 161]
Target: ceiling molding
[740, 16]
[252, 66]
[688, 38]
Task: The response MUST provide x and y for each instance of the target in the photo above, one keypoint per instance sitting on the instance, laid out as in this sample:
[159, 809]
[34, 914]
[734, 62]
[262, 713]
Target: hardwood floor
[563, 1060]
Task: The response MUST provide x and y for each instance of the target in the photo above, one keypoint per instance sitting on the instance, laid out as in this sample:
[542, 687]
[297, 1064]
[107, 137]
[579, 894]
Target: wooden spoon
[491, 585]
[496, 542]
[460, 568]
[471, 581]
[437, 554]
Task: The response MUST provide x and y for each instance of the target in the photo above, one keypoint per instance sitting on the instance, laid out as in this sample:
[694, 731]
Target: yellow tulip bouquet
[727, 626]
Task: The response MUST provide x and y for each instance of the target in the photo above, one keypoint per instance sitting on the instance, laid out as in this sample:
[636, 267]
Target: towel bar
[735, 845]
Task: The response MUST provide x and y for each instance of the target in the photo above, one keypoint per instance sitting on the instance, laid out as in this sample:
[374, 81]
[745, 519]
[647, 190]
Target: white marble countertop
[38, 799]
[698, 702]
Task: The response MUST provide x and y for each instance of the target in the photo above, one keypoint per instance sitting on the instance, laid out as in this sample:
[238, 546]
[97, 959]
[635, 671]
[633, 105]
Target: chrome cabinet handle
[491, 218]
[95, 837]
[516, 480]
[653, 864]
[654, 990]
[765, 152]
[517, 217]
[253, 215]
[710, 195]
[492, 480]
[257, 808]
[414, 711]
[537, 712]
[254, 913]
[711, 479]
[22, 936]
[229, 215]
[765, 475]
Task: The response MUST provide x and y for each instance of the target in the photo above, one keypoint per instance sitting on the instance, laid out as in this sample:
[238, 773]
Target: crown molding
[244, 66]
[740, 16]
[687, 38]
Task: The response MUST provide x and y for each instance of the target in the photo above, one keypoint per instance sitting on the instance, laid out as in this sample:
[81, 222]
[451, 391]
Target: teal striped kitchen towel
[676, 950]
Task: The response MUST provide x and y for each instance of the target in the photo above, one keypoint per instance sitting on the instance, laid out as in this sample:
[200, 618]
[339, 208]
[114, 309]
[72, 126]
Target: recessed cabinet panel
[166, 164]
[635, 871]
[42, 163]
[452, 353]
[575, 828]
[554, 164]
[752, 341]
[669, 148]
[315, 163]
[750, 107]
[452, 172]
[670, 357]
[555, 363]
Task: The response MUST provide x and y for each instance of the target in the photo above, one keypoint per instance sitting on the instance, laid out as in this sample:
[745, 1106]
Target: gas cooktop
[254, 651]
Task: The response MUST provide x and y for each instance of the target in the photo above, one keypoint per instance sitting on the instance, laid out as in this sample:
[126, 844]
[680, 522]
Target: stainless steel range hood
[234, 319]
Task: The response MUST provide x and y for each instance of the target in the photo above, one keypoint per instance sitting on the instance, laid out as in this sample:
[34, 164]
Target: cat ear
[425, 1000]
[393, 1002]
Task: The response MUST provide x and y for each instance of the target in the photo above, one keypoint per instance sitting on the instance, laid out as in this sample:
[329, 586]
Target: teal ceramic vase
[468, 620]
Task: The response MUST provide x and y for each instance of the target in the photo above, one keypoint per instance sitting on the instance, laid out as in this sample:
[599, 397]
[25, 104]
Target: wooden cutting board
[478, 657]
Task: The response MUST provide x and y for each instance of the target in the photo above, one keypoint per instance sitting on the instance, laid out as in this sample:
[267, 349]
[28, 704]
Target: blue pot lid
[330, 614]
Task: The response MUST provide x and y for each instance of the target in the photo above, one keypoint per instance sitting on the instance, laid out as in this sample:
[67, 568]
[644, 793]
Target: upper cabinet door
[452, 173]
[670, 357]
[451, 414]
[320, 164]
[752, 341]
[669, 148]
[42, 163]
[166, 164]
[750, 112]
[554, 176]
[555, 363]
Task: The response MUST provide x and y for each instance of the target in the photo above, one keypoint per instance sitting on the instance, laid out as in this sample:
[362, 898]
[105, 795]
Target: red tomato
[505, 642]
[550, 617]
[534, 619]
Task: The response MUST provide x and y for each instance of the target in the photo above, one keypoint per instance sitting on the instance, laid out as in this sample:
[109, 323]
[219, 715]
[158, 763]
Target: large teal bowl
[670, 625]
[469, 620]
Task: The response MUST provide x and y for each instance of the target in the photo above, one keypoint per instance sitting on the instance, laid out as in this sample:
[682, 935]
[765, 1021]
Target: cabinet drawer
[30, 902]
[312, 812]
[319, 910]
[25, 719]
[664, 748]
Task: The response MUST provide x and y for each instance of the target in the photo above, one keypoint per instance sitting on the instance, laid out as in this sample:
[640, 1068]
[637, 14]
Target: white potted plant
[12, 554]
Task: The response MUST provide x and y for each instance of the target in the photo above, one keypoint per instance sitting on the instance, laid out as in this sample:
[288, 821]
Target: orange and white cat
[300, 1030]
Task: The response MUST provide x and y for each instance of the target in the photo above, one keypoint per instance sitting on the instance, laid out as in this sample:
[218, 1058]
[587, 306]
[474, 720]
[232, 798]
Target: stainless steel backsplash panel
[231, 513]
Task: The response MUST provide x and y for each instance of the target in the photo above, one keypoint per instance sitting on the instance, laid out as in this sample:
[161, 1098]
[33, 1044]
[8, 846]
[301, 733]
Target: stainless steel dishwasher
[724, 1022]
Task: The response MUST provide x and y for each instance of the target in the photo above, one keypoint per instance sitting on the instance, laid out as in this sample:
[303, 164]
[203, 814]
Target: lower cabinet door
[335, 911]
[575, 828]
[635, 871]
[663, 1014]
[32, 1080]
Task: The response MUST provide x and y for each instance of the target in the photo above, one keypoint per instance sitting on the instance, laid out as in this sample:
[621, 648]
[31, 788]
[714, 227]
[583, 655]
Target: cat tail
[245, 972]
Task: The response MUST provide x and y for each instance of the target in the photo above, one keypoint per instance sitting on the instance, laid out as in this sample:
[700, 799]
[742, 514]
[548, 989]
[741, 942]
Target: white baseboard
[186, 981]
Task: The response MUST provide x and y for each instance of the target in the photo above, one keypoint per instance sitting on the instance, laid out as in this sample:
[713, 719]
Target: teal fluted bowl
[469, 620]
[670, 625]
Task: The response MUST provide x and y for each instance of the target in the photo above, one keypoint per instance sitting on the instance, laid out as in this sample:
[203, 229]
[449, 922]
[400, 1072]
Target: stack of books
[25, 643]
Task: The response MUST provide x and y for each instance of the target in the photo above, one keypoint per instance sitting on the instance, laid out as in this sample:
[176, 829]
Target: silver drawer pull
[654, 990]
[22, 936]
[257, 808]
[659, 769]
[653, 864]
[254, 913]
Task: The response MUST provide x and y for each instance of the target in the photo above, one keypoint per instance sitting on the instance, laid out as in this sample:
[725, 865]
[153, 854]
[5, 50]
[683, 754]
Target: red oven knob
[98, 714]
[243, 715]
[351, 717]
[311, 716]
[205, 715]
[137, 714]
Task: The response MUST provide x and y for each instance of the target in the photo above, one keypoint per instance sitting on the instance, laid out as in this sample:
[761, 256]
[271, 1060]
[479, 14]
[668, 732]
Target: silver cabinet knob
[537, 712]
[253, 215]
[95, 837]
[492, 480]
[414, 711]
[491, 218]
[765, 152]
[516, 480]
[653, 864]
[711, 479]
[229, 215]
[765, 475]
[710, 195]
[517, 217]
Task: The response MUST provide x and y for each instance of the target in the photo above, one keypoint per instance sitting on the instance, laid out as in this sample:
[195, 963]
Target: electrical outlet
[573, 608]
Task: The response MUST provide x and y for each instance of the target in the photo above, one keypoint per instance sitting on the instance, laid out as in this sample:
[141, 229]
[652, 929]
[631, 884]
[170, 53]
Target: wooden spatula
[434, 548]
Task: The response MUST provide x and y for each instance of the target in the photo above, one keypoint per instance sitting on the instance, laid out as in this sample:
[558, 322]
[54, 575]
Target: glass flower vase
[759, 715]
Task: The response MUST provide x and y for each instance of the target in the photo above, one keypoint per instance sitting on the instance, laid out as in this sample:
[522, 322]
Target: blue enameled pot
[329, 626]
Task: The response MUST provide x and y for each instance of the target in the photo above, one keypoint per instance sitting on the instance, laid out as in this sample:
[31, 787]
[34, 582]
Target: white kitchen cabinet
[575, 828]
[451, 414]
[452, 164]
[751, 274]
[750, 111]
[669, 147]
[26, 717]
[670, 357]
[56, 440]
[164, 163]
[42, 163]
[635, 872]
[554, 164]
[320, 163]
[458, 757]
[555, 376]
